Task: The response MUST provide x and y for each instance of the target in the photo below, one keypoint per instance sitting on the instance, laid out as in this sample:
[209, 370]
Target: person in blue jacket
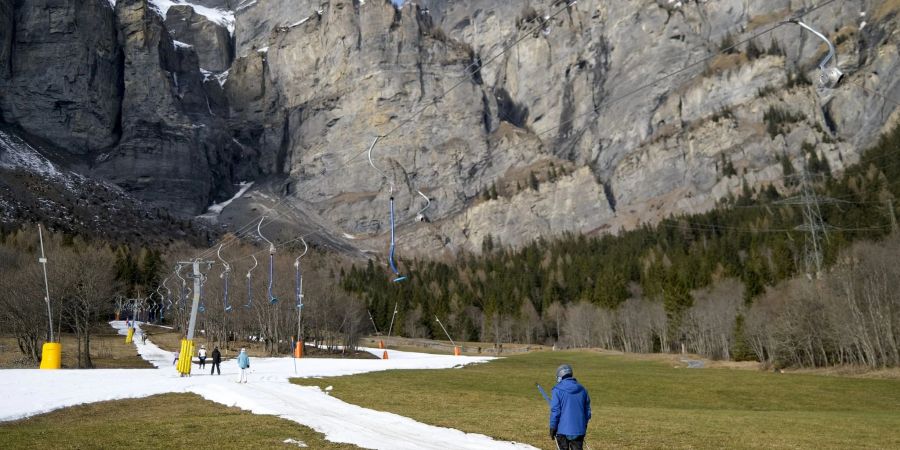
[244, 363]
[570, 410]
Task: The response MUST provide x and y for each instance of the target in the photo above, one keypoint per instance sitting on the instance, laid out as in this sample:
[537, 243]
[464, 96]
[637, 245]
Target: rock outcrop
[212, 41]
[62, 71]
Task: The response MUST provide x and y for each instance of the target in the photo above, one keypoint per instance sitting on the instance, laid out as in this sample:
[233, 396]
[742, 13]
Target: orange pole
[455, 351]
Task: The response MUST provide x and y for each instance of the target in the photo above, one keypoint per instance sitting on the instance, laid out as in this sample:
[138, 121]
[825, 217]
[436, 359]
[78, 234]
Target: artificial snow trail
[29, 392]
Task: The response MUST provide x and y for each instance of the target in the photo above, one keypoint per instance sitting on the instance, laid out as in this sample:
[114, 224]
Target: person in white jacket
[202, 355]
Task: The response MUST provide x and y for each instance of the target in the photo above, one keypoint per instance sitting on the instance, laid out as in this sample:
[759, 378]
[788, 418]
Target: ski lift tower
[187, 344]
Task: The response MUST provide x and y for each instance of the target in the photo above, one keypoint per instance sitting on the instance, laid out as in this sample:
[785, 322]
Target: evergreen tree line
[688, 283]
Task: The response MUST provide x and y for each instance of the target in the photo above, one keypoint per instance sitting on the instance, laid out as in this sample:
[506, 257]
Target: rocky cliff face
[312, 89]
[62, 77]
[561, 132]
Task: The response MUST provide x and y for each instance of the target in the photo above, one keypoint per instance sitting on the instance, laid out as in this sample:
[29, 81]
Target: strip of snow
[218, 207]
[263, 50]
[301, 22]
[17, 154]
[181, 44]
[245, 4]
[219, 16]
[30, 392]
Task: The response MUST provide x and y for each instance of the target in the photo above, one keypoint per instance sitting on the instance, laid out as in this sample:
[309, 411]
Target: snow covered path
[29, 392]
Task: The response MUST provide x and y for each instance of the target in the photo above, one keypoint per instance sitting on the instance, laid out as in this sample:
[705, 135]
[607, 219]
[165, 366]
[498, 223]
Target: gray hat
[563, 371]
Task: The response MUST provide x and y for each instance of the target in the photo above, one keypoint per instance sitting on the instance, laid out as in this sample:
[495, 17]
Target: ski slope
[30, 391]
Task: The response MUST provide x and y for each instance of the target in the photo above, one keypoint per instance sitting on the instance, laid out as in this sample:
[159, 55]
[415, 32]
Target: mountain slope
[510, 131]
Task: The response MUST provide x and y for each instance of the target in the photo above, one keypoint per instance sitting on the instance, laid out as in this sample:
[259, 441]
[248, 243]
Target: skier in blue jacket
[244, 363]
[570, 410]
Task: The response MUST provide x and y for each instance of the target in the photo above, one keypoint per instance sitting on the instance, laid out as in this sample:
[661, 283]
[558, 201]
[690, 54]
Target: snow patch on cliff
[220, 16]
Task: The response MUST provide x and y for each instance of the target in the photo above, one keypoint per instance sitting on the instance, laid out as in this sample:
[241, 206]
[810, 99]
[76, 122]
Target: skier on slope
[216, 359]
[570, 410]
[244, 363]
[202, 355]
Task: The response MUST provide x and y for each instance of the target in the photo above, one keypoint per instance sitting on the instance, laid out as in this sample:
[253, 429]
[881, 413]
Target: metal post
[445, 331]
[196, 303]
[43, 261]
[391, 328]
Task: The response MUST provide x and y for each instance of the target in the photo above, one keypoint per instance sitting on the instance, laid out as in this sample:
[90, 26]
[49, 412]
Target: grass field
[641, 403]
[108, 351]
[162, 421]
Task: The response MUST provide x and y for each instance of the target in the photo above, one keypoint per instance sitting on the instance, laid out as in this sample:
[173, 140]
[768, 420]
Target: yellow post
[130, 336]
[185, 356]
[51, 356]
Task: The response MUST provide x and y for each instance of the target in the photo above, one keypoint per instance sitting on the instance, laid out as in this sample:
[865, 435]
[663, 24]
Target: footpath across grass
[640, 403]
[159, 422]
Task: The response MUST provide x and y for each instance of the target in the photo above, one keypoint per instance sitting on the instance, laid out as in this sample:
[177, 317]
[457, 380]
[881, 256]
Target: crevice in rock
[610, 195]
[398, 16]
[285, 146]
[358, 24]
[510, 111]
[486, 112]
[475, 66]
[120, 95]
[567, 113]
[829, 121]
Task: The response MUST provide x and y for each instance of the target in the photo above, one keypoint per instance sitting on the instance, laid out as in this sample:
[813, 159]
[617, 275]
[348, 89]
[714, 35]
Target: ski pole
[544, 394]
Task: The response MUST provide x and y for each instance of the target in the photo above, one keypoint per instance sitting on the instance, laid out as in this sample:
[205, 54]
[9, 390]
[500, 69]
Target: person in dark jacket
[216, 360]
[570, 410]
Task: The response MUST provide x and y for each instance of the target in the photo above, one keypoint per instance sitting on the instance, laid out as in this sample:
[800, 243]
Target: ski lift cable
[299, 276]
[181, 297]
[398, 277]
[686, 68]
[875, 93]
[245, 230]
[250, 282]
[272, 298]
[168, 292]
[299, 298]
[225, 275]
[391, 263]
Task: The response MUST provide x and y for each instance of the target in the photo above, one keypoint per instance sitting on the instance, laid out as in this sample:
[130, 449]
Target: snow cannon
[298, 349]
[185, 357]
[130, 336]
[51, 356]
